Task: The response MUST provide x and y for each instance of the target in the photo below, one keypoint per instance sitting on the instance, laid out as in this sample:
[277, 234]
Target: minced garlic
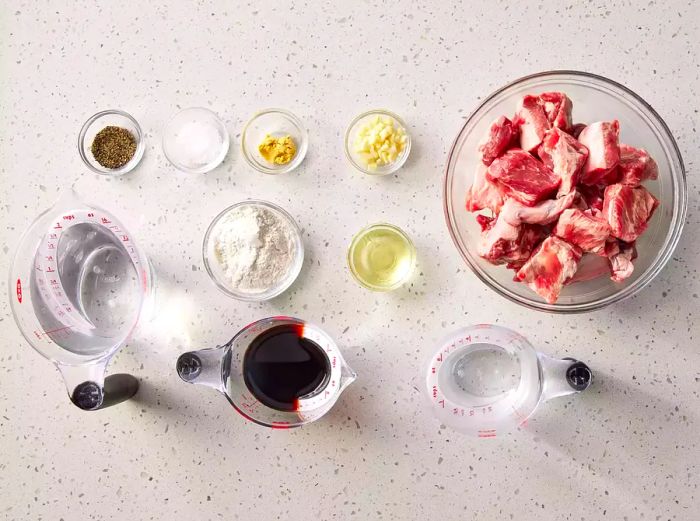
[380, 142]
[277, 150]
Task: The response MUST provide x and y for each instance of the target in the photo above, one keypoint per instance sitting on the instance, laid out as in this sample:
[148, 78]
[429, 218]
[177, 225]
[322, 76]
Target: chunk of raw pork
[543, 213]
[497, 140]
[503, 243]
[483, 194]
[583, 229]
[552, 264]
[531, 120]
[557, 107]
[628, 210]
[521, 176]
[620, 256]
[636, 165]
[602, 141]
[564, 156]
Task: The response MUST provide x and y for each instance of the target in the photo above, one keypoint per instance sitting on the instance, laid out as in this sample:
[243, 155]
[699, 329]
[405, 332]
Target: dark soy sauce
[281, 365]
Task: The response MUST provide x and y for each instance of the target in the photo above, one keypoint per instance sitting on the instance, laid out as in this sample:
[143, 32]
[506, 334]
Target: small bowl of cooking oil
[381, 257]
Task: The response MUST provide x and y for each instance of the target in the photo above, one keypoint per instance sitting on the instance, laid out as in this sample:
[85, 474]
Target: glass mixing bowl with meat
[572, 203]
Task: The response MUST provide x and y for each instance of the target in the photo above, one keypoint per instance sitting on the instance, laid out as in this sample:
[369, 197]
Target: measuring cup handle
[90, 396]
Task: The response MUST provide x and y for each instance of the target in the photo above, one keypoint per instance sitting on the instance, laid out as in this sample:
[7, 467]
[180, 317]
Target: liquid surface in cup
[281, 366]
[486, 371]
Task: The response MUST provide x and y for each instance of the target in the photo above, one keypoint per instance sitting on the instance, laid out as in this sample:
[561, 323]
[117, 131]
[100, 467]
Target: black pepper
[113, 147]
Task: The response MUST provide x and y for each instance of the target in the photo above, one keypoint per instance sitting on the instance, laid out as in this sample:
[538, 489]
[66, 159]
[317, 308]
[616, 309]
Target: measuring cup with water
[278, 372]
[486, 380]
[78, 286]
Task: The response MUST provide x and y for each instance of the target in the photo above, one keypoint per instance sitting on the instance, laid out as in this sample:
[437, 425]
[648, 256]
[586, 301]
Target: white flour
[255, 247]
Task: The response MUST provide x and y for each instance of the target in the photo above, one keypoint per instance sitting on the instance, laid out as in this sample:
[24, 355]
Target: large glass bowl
[594, 98]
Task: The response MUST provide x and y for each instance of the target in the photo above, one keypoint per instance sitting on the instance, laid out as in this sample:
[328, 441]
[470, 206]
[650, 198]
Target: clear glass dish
[277, 123]
[351, 134]
[195, 140]
[594, 98]
[216, 272]
[97, 122]
[386, 228]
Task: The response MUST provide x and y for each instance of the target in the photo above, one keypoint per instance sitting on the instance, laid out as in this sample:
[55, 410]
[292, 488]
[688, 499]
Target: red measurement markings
[487, 433]
[50, 270]
[51, 246]
[18, 289]
[68, 217]
[90, 214]
[333, 363]
[52, 331]
[435, 391]
[104, 220]
[125, 238]
[49, 258]
[58, 226]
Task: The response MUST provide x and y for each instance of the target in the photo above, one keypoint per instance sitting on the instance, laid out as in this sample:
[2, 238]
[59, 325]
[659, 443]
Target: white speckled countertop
[625, 450]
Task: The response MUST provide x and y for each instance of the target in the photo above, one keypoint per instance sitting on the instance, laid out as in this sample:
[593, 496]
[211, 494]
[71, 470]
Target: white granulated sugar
[255, 247]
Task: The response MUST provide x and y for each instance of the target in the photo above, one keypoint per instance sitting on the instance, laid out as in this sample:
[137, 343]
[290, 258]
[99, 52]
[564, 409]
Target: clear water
[101, 282]
[486, 370]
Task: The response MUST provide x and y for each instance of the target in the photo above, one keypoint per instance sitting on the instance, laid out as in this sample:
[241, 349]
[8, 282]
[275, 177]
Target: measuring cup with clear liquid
[487, 380]
[278, 372]
[78, 286]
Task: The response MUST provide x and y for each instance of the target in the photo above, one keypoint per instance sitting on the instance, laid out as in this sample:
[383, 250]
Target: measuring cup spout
[90, 390]
[203, 367]
[347, 376]
[563, 376]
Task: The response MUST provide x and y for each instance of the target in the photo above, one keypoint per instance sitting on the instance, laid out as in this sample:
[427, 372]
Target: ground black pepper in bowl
[113, 147]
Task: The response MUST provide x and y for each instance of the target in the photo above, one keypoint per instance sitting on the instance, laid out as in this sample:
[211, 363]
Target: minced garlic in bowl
[377, 142]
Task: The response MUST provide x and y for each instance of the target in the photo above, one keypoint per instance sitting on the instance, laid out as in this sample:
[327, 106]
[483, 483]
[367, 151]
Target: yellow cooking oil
[381, 257]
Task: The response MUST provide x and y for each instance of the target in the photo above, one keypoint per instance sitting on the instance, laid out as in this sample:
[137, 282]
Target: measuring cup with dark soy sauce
[279, 372]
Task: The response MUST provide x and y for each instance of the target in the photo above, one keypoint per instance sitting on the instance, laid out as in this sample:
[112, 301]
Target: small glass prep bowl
[92, 126]
[217, 273]
[195, 140]
[389, 229]
[351, 134]
[594, 98]
[277, 123]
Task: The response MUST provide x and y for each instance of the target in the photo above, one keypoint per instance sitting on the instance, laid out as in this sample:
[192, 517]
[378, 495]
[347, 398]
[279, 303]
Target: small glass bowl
[277, 123]
[217, 273]
[351, 134]
[388, 229]
[96, 123]
[176, 135]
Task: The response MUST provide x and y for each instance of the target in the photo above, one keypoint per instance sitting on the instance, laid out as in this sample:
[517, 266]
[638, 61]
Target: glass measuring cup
[486, 380]
[227, 368]
[78, 286]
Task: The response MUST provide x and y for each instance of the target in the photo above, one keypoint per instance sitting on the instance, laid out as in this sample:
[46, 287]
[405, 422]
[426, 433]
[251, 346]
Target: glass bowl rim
[670, 241]
[359, 234]
[272, 292]
[301, 147]
[392, 167]
[132, 163]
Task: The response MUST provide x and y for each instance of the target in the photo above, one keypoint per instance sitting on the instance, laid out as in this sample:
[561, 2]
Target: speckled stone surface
[625, 450]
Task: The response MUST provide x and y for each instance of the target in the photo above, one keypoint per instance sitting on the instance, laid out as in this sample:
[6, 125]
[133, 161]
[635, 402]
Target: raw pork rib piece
[532, 121]
[628, 210]
[521, 176]
[620, 256]
[503, 243]
[557, 106]
[564, 156]
[483, 193]
[584, 230]
[602, 141]
[636, 165]
[552, 264]
[497, 139]
[542, 213]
